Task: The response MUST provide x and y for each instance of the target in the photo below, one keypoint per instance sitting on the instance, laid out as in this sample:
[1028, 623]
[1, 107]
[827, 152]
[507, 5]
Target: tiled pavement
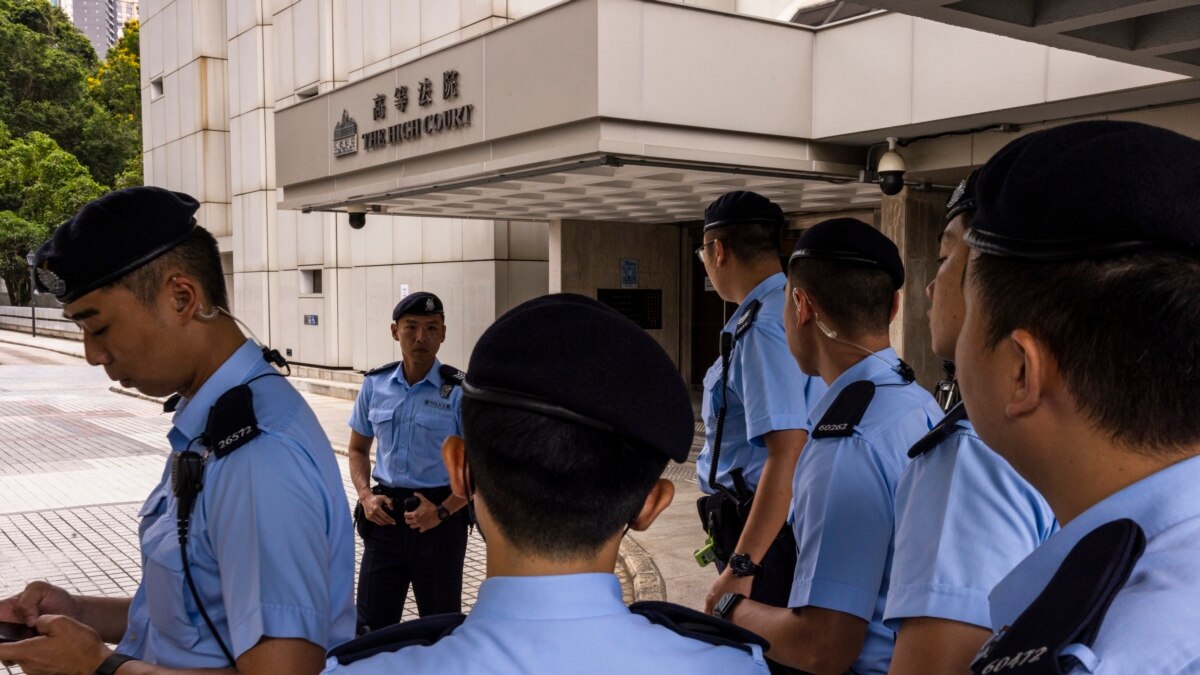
[75, 462]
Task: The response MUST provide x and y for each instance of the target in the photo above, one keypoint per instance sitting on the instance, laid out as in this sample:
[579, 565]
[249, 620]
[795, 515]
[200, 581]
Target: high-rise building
[102, 21]
[67, 6]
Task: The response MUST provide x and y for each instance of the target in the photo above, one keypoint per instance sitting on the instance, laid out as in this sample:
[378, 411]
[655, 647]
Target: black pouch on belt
[723, 515]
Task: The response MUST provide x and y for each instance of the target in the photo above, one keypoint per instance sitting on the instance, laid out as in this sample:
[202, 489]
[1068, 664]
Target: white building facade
[501, 149]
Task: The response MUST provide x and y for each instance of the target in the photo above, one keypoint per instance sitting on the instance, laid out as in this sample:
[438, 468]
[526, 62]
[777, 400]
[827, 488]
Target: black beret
[1089, 189]
[110, 237]
[851, 241]
[420, 304]
[736, 208]
[963, 198]
[573, 358]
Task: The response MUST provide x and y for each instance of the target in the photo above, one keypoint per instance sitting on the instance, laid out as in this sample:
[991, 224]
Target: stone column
[913, 219]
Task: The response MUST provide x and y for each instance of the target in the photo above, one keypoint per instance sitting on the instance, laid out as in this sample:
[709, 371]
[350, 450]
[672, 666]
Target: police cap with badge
[421, 303]
[110, 237]
[572, 358]
[1087, 190]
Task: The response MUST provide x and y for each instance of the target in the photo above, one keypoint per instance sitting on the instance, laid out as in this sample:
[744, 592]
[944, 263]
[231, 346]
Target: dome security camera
[891, 170]
[358, 216]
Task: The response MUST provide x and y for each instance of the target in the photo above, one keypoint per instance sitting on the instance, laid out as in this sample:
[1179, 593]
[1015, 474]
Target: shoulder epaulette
[231, 421]
[1071, 609]
[698, 626]
[847, 410]
[419, 632]
[385, 367]
[940, 432]
[747, 319]
[451, 378]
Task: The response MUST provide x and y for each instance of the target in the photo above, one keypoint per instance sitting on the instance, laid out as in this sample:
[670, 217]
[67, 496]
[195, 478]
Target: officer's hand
[726, 583]
[65, 647]
[424, 518]
[373, 509]
[37, 599]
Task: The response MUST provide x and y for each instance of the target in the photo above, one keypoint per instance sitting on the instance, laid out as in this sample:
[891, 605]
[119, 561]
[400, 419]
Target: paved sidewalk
[659, 560]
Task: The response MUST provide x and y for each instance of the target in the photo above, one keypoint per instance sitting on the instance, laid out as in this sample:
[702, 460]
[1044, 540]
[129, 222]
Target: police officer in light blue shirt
[412, 530]
[571, 413]
[755, 407]
[1078, 364]
[262, 580]
[964, 518]
[844, 277]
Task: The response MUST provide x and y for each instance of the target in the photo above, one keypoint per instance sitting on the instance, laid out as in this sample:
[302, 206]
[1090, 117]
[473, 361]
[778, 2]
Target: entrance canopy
[623, 110]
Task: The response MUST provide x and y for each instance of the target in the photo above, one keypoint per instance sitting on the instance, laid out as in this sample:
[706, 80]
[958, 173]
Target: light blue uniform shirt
[410, 423]
[270, 544]
[1153, 624]
[964, 519]
[767, 391]
[571, 623]
[843, 497]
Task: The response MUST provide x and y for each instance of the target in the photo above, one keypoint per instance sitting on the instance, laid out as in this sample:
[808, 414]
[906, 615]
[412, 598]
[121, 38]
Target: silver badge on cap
[429, 306]
[958, 194]
[51, 281]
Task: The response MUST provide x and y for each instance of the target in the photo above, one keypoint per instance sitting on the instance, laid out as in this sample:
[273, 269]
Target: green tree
[17, 237]
[41, 185]
[44, 63]
[112, 131]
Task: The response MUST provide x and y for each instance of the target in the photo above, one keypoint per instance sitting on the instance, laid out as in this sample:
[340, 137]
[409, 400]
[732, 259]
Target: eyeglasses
[700, 249]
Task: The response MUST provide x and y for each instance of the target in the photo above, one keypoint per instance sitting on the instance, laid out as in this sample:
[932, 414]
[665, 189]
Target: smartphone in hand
[15, 632]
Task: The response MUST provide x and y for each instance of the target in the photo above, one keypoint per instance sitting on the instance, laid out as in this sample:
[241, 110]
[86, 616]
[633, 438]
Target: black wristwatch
[115, 660]
[443, 512]
[725, 605]
[743, 566]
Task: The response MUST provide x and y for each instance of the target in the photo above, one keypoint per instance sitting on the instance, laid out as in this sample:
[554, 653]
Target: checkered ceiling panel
[627, 194]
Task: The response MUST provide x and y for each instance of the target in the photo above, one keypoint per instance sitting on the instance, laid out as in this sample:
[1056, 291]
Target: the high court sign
[345, 132]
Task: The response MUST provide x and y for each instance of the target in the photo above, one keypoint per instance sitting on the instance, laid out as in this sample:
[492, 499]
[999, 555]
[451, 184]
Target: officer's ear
[1028, 366]
[455, 459]
[657, 501]
[895, 307]
[184, 295]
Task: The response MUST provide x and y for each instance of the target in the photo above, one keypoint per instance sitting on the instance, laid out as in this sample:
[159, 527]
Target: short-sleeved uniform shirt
[766, 391]
[410, 423]
[571, 623]
[843, 500]
[270, 546]
[964, 519]
[1153, 625]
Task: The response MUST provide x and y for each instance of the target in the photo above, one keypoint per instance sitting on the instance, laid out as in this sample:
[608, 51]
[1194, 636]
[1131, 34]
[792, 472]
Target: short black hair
[198, 256]
[554, 487]
[857, 299]
[1122, 330]
[750, 242]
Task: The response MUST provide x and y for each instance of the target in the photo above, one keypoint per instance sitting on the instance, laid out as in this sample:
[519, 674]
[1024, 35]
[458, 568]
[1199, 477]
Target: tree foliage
[41, 185]
[70, 126]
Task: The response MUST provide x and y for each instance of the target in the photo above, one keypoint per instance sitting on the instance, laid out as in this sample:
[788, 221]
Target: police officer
[410, 522]
[262, 581]
[570, 415]
[755, 408]
[964, 518]
[844, 278]
[1078, 364]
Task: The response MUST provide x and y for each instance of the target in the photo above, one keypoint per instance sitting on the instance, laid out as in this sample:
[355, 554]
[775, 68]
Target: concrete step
[323, 387]
[344, 375]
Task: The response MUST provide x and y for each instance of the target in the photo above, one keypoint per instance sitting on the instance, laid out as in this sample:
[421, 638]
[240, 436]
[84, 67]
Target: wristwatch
[743, 566]
[725, 605]
[115, 660]
[443, 512]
